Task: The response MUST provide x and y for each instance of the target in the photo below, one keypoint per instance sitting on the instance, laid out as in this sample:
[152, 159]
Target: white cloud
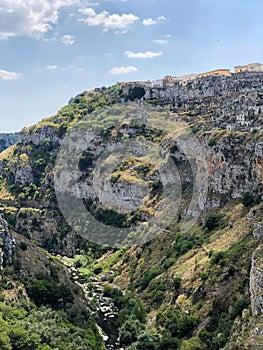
[147, 54]
[5, 75]
[150, 21]
[162, 19]
[160, 41]
[123, 70]
[51, 67]
[107, 21]
[68, 40]
[31, 18]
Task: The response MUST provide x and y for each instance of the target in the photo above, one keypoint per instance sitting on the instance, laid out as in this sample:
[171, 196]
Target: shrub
[212, 142]
[5, 343]
[238, 307]
[169, 343]
[113, 293]
[147, 341]
[168, 263]
[213, 221]
[217, 257]
[129, 331]
[204, 276]
[97, 270]
[177, 283]
[192, 344]
[44, 292]
[247, 199]
[151, 274]
[23, 245]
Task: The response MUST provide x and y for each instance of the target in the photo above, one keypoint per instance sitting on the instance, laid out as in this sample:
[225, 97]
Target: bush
[147, 341]
[44, 292]
[97, 270]
[213, 221]
[177, 283]
[217, 257]
[192, 344]
[178, 324]
[169, 343]
[247, 199]
[238, 307]
[129, 331]
[204, 276]
[169, 262]
[151, 274]
[23, 245]
[113, 293]
[212, 142]
[5, 343]
[22, 340]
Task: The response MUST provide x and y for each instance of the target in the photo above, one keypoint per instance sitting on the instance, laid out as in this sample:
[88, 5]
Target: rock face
[7, 140]
[7, 244]
[256, 282]
[238, 98]
[234, 167]
[234, 159]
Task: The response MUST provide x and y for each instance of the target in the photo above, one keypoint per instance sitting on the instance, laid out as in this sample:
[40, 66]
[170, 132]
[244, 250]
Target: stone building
[216, 72]
[252, 67]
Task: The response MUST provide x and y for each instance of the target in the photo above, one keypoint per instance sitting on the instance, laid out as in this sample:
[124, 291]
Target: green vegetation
[213, 221]
[24, 327]
[247, 199]
[45, 292]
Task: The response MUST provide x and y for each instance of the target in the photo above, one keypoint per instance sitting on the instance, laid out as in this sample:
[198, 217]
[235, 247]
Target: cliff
[7, 245]
[196, 289]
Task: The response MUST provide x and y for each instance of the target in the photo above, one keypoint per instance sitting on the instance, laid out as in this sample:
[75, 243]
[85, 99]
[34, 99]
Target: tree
[129, 331]
[22, 340]
[5, 343]
[192, 344]
[147, 341]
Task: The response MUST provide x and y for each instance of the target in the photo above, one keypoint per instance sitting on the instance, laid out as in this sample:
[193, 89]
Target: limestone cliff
[7, 244]
[200, 281]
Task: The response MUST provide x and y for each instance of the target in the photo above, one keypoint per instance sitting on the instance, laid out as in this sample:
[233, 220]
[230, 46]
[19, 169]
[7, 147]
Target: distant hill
[7, 140]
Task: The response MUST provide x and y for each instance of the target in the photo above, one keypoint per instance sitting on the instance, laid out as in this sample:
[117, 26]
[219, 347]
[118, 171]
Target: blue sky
[51, 50]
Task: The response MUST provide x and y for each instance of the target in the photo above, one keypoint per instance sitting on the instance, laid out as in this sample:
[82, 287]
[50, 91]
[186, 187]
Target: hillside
[7, 140]
[144, 204]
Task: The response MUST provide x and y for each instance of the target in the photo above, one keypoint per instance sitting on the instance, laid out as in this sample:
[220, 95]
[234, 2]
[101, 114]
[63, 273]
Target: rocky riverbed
[102, 307]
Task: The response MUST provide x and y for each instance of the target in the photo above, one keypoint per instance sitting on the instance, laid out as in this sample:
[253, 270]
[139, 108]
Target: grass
[7, 153]
[110, 261]
[5, 194]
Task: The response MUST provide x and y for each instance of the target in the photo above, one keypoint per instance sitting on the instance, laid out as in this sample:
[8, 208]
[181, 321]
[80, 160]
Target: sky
[52, 50]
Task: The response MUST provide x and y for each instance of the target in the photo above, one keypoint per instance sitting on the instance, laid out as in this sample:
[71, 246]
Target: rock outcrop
[7, 244]
[256, 282]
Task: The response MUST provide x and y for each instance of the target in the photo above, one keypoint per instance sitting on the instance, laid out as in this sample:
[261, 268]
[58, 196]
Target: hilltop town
[215, 99]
